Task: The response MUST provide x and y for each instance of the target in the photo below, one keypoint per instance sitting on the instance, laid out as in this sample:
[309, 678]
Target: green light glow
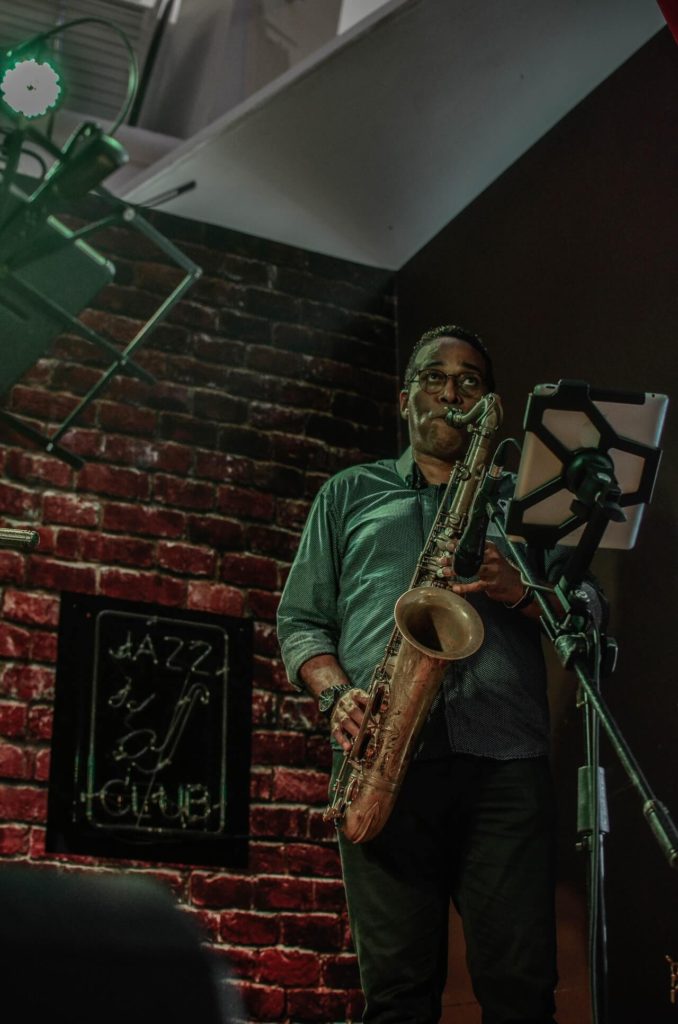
[30, 88]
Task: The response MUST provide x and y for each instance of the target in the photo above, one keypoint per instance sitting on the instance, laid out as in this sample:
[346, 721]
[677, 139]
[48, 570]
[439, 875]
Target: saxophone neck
[486, 413]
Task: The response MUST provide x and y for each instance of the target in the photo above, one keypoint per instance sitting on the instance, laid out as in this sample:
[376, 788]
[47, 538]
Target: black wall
[568, 267]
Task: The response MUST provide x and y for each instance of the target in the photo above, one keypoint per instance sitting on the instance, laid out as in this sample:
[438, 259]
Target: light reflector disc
[30, 88]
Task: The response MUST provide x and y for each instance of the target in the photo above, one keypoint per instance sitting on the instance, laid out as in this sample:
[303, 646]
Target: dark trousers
[479, 832]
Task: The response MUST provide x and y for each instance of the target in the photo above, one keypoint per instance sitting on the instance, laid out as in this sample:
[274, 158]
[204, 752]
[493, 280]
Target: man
[474, 819]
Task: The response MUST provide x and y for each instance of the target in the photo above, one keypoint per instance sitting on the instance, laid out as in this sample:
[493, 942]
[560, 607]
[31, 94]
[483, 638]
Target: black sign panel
[151, 737]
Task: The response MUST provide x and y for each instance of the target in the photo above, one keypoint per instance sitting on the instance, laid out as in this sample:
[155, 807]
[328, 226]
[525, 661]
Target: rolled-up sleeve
[308, 622]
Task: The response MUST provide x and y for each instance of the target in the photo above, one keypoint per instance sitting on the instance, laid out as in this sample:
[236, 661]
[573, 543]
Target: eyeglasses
[468, 384]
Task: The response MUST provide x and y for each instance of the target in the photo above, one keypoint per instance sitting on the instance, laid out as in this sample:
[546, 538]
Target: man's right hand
[347, 716]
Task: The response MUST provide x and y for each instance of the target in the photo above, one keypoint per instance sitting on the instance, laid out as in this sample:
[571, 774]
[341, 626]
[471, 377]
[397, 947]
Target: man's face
[425, 413]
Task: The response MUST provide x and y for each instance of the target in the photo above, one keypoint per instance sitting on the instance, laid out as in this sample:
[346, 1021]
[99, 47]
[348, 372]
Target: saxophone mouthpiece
[454, 418]
[484, 406]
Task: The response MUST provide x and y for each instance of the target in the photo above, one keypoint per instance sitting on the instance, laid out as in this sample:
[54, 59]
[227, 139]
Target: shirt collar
[409, 471]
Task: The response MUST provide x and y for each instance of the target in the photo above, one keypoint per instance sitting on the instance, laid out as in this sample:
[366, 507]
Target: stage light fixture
[49, 273]
[30, 88]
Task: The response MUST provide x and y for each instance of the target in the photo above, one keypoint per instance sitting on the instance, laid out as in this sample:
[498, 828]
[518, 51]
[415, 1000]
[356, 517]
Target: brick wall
[275, 371]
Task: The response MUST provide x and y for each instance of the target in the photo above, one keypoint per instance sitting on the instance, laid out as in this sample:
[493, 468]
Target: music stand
[580, 443]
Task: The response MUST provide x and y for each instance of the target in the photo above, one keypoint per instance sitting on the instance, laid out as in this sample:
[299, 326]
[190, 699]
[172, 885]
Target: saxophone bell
[439, 623]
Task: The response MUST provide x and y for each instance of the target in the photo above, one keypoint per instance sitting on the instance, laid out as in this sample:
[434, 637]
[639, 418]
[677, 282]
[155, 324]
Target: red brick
[282, 893]
[263, 1002]
[38, 469]
[243, 962]
[222, 534]
[278, 821]
[249, 929]
[266, 416]
[86, 443]
[17, 501]
[311, 931]
[319, 753]
[40, 372]
[37, 840]
[184, 558]
[313, 1005]
[114, 480]
[314, 860]
[269, 541]
[97, 547]
[263, 605]
[170, 458]
[266, 639]
[319, 829]
[70, 510]
[249, 569]
[190, 494]
[15, 762]
[261, 784]
[23, 803]
[278, 748]
[221, 890]
[215, 598]
[14, 642]
[268, 859]
[215, 291]
[142, 586]
[193, 315]
[188, 430]
[168, 397]
[66, 543]
[271, 675]
[157, 277]
[288, 967]
[51, 575]
[12, 567]
[43, 647]
[74, 378]
[27, 682]
[341, 971]
[299, 786]
[222, 466]
[41, 765]
[45, 405]
[127, 419]
[242, 503]
[214, 405]
[329, 896]
[40, 721]
[292, 514]
[138, 519]
[303, 453]
[264, 708]
[130, 451]
[13, 840]
[300, 712]
[39, 609]
[218, 350]
[13, 718]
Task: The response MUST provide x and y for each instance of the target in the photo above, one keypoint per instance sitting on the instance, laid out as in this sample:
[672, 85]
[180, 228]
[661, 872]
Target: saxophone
[432, 626]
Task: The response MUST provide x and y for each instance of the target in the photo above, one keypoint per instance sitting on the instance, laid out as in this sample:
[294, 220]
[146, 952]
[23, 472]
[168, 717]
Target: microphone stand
[581, 648]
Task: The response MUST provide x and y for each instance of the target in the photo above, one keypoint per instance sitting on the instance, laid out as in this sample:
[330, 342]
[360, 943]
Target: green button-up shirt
[357, 555]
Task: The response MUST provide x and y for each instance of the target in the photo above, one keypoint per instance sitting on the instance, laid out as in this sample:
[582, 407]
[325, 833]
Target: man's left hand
[496, 577]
